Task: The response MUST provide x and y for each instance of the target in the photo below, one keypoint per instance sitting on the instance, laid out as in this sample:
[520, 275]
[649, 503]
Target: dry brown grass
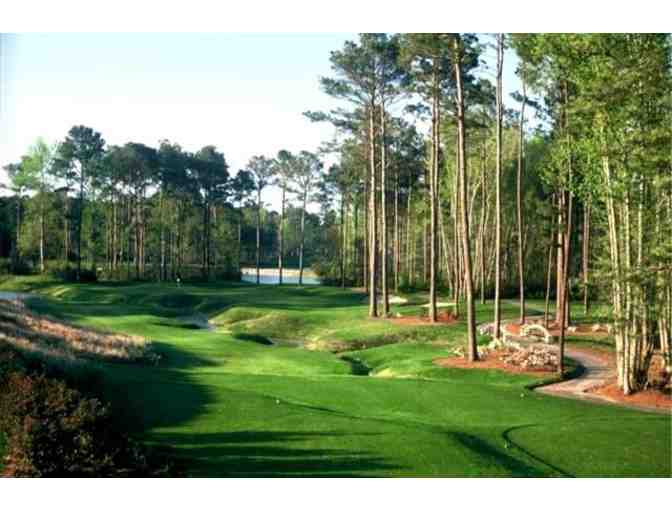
[55, 340]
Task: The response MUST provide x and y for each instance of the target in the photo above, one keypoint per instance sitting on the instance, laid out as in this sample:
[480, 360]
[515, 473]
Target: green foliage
[53, 430]
[68, 273]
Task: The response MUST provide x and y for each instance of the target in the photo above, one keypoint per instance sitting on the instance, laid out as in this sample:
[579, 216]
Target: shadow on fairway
[144, 397]
[506, 435]
[267, 454]
[257, 339]
[496, 457]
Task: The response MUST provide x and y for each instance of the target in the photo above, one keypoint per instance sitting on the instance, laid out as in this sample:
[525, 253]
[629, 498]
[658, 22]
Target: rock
[535, 356]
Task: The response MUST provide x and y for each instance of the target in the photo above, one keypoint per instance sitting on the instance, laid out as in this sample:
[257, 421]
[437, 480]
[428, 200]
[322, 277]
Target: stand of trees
[579, 208]
[84, 210]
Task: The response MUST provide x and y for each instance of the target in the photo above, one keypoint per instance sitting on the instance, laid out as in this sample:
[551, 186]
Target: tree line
[578, 208]
[138, 212]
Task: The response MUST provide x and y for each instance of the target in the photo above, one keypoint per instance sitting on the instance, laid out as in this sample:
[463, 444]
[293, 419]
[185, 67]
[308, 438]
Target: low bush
[68, 273]
[52, 429]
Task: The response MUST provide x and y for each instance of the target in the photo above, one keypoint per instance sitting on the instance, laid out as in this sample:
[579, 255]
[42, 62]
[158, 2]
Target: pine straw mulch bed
[657, 397]
[651, 398]
[491, 361]
[442, 319]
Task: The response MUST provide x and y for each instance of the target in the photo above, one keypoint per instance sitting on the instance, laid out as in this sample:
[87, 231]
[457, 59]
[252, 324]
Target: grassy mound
[180, 301]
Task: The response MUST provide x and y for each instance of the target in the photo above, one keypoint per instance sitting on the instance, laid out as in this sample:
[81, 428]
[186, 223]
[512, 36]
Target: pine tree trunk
[397, 234]
[66, 231]
[481, 236]
[281, 234]
[585, 257]
[373, 221]
[383, 215]
[80, 211]
[410, 239]
[303, 234]
[472, 353]
[343, 241]
[162, 236]
[42, 232]
[519, 205]
[258, 252]
[457, 273]
[498, 187]
[432, 202]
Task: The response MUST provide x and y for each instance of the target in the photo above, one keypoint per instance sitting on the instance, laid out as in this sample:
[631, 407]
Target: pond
[271, 277]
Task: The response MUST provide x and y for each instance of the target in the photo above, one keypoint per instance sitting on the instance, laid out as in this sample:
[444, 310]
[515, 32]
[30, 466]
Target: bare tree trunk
[519, 203]
[551, 250]
[397, 235]
[472, 352]
[373, 222]
[66, 230]
[457, 273]
[240, 237]
[498, 186]
[303, 234]
[80, 211]
[383, 214]
[162, 235]
[410, 238]
[258, 252]
[565, 282]
[367, 238]
[42, 232]
[586, 256]
[567, 242]
[15, 253]
[343, 241]
[433, 202]
[481, 236]
[281, 234]
[115, 233]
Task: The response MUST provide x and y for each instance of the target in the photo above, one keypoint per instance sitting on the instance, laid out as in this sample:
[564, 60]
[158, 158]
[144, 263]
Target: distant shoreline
[268, 271]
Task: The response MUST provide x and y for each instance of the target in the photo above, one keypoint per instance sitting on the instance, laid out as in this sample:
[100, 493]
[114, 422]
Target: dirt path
[595, 372]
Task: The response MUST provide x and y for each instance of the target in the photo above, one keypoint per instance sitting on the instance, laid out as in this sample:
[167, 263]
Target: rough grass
[227, 405]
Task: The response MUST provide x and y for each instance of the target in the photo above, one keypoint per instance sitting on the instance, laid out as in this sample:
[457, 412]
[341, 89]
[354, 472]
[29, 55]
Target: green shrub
[68, 273]
[51, 429]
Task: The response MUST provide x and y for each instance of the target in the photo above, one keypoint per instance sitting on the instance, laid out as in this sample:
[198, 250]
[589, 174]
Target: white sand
[440, 304]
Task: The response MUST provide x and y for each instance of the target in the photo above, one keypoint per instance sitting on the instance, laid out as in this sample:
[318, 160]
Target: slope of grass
[227, 403]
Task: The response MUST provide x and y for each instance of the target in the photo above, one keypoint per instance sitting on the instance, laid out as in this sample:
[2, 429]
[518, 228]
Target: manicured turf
[230, 404]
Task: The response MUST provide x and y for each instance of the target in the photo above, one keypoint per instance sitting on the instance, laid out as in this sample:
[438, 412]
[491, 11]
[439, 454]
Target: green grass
[227, 403]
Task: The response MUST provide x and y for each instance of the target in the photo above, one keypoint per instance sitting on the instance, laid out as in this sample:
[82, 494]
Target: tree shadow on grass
[269, 454]
[248, 337]
[144, 397]
[494, 456]
[506, 435]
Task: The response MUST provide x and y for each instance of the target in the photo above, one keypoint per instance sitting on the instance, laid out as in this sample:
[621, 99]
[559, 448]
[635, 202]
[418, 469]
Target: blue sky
[243, 93]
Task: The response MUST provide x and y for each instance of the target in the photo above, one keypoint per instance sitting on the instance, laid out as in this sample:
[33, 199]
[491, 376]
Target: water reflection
[266, 279]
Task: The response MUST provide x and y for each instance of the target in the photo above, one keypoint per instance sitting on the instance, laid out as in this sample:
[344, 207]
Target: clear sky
[243, 93]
